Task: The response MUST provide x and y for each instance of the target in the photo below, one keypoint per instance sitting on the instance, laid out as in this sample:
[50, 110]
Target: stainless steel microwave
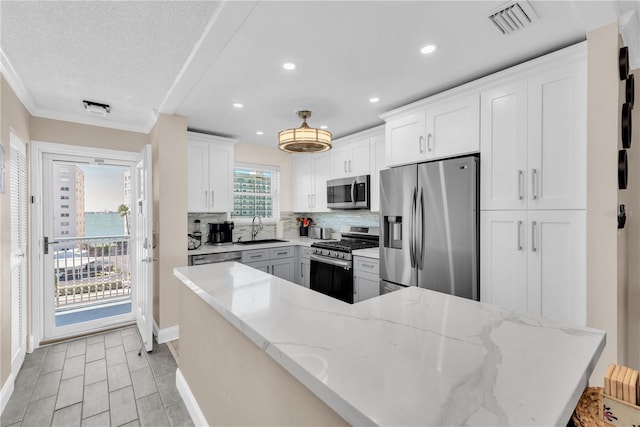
[348, 193]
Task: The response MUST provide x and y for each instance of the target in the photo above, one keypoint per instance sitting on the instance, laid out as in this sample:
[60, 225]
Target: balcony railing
[91, 269]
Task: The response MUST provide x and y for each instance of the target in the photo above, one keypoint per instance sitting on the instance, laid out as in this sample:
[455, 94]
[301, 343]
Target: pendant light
[304, 139]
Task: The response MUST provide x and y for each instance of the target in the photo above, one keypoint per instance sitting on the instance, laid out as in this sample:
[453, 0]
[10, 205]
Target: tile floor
[97, 381]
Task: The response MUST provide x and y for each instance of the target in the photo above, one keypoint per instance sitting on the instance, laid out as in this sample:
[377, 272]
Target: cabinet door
[302, 183]
[453, 127]
[283, 268]
[305, 272]
[557, 266]
[259, 265]
[377, 164]
[197, 177]
[365, 286]
[221, 178]
[404, 139]
[358, 162]
[503, 144]
[339, 162]
[503, 259]
[321, 173]
[557, 138]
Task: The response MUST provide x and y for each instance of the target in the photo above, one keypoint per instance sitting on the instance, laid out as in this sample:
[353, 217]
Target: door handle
[520, 186]
[420, 141]
[353, 192]
[533, 236]
[534, 173]
[420, 260]
[412, 225]
[519, 244]
[429, 136]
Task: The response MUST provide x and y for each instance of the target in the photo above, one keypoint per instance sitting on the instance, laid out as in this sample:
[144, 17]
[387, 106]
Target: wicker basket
[586, 412]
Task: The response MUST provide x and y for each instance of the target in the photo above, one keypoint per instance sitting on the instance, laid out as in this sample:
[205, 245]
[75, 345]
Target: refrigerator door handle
[412, 228]
[420, 235]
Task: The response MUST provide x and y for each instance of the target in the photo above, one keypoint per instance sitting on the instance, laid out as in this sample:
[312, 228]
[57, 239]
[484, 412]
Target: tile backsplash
[332, 220]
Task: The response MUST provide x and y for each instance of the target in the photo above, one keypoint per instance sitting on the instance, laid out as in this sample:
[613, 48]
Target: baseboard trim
[166, 334]
[6, 392]
[189, 400]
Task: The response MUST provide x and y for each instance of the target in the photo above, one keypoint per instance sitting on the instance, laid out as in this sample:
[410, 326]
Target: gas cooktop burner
[345, 245]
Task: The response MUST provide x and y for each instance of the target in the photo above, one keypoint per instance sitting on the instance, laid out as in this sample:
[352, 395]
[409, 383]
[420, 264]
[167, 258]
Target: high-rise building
[68, 196]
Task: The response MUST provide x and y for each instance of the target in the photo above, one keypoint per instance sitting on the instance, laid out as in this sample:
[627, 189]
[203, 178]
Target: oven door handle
[331, 261]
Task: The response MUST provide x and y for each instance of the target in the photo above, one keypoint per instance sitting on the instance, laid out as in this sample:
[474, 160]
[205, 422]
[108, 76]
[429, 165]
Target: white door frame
[38, 149]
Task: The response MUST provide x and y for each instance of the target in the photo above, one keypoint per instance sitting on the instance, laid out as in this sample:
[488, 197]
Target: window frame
[275, 192]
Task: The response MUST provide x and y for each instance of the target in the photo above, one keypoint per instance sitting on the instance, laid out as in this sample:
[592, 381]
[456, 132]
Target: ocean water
[103, 224]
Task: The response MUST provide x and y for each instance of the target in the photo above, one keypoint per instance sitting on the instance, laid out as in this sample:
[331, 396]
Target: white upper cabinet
[209, 173]
[404, 138]
[310, 175]
[503, 147]
[557, 150]
[445, 128]
[350, 159]
[453, 127]
[533, 141]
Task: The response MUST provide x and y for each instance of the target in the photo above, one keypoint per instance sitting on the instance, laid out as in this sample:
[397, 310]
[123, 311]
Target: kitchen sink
[257, 242]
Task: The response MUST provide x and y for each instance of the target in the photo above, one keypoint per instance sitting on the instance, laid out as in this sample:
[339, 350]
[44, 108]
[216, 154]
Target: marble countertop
[291, 241]
[410, 357]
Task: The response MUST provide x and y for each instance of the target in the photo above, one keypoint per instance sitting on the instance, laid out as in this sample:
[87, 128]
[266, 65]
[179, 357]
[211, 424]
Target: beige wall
[13, 118]
[169, 143]
[633, 238]
[264, 155]
[604, 290]
[48, 130]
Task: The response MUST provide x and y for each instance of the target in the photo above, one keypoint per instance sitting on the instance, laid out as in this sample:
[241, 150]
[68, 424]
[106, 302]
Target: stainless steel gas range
[332, 264]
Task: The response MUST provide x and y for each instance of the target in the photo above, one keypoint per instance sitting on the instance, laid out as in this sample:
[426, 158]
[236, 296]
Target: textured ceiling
[198, 58]
[123, 53]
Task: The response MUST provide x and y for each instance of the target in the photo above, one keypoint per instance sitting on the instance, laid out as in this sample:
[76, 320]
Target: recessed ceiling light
[238, 105]
[259, 132]
[374, 99]
[430, 48]
[324, 127]
[289, 66]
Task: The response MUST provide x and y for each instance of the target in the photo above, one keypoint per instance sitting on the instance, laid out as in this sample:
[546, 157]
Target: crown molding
[9, 73]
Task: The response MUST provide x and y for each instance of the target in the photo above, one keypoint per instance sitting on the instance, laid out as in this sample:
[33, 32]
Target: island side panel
[234, 381]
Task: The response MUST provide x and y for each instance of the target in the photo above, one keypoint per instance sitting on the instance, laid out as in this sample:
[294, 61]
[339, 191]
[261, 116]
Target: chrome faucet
[255, 230]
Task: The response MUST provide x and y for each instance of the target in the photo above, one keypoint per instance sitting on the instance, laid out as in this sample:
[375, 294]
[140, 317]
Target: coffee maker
[220, 233]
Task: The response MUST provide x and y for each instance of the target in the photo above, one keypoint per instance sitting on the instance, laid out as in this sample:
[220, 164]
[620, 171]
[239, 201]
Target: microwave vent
[512, 17]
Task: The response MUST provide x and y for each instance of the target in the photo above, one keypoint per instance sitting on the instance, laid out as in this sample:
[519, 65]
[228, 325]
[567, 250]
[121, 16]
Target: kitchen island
[255, 349]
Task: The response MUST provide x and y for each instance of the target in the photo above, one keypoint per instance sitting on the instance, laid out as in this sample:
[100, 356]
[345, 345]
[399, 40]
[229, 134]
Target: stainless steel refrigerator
[429, 218]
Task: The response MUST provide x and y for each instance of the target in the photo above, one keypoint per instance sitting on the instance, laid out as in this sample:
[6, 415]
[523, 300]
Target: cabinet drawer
[255, 255]
[369, 265]
[277, 253]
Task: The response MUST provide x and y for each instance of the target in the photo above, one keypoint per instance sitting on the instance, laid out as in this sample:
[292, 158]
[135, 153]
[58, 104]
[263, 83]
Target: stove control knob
[342, 256]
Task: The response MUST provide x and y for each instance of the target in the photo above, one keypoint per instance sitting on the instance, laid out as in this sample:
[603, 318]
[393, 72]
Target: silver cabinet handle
[519, 235]
[345, 166]
[429, 137]
[533, 236]
[420, 141]
[520, 186]
[281, 253]
[255, 256]
[301, 269]
[349, 165]
[367, 265]
[213, 193]
[206, 198]
[534, 173]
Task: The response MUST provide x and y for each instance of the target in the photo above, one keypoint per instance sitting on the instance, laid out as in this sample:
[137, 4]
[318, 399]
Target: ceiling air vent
[512, 17]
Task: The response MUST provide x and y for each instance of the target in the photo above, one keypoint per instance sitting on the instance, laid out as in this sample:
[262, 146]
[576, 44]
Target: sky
[103, 187]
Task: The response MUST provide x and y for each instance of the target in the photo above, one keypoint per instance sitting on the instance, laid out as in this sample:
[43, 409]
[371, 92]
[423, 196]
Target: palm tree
[123, 211]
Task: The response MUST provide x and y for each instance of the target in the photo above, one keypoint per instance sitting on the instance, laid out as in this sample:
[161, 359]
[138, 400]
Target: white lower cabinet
[535, 262]
[366, 279]
[303, 267]
[276, 261]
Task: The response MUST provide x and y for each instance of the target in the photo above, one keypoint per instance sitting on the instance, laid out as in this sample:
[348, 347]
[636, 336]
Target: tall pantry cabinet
[533, 189]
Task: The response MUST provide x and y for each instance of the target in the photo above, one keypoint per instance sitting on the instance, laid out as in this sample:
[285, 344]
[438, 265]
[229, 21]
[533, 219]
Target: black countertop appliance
[220, 233]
